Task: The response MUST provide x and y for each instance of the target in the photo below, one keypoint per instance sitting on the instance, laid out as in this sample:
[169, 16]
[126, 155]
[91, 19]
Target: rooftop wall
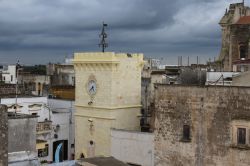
[3, 136]
[22, 134]
[133, 147]
[242, 80]
[22, 140]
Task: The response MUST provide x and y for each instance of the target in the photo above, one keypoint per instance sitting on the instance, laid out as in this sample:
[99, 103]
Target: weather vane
[103, 36]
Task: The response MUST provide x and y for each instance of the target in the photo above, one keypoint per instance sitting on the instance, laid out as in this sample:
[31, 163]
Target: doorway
[60, 150]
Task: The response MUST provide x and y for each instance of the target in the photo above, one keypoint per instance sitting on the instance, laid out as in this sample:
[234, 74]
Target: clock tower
[108, 95]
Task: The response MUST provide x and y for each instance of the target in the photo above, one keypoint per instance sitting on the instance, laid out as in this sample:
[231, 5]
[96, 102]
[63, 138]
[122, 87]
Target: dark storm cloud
[55, 28]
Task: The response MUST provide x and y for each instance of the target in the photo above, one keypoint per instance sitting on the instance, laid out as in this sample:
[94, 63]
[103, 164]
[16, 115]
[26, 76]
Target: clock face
[91, 87]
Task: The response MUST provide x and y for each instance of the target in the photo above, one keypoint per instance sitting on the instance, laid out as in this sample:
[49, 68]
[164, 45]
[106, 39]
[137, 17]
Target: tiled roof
[244, 20]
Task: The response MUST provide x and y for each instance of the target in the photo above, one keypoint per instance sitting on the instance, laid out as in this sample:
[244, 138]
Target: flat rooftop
[101, 161]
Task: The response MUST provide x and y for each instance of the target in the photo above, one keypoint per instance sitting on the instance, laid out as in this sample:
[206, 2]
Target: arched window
[243, 52]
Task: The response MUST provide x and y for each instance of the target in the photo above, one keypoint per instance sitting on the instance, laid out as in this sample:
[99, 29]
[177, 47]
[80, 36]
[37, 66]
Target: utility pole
[103, 36]
[18, 67]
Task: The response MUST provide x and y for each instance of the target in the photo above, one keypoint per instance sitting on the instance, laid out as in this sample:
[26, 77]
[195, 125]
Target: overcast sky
[42, 31]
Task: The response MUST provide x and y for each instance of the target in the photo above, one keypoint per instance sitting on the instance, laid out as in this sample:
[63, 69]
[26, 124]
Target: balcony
[44, 127]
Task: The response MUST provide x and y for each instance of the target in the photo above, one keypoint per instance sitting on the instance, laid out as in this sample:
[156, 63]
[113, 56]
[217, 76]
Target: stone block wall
[10, 90]
[3, 136]
[210, 112]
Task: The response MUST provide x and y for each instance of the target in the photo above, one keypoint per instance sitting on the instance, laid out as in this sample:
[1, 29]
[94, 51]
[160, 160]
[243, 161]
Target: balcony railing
[44, 127]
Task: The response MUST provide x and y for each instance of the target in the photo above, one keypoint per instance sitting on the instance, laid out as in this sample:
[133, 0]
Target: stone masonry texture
[210, 112]
[3, 136]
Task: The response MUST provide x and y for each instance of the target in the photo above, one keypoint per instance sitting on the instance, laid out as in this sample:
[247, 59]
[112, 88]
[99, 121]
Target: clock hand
[92, 88]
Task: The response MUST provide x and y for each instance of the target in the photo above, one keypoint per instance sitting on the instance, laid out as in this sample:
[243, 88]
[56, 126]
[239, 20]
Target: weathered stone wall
[3, 136]
[10, 90]
[209, 111]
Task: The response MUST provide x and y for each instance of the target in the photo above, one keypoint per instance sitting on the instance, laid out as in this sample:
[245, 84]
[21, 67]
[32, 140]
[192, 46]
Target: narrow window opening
[242, 52]
[241, 136]
[186, 132]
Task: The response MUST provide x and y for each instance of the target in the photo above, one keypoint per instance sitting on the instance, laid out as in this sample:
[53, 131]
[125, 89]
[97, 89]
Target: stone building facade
[198, 126]
[3, 136]
[34, 84]
[108, 95]
[235, 49]
[61, 74]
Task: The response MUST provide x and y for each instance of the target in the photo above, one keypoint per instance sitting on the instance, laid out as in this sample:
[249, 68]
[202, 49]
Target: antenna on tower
[103, 36]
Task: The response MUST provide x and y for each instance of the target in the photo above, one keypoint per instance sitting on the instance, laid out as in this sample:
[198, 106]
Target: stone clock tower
[108, 95]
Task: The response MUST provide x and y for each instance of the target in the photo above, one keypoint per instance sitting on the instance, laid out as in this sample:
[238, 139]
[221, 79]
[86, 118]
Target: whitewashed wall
[7, 74]
[24, 103]
[65, 118]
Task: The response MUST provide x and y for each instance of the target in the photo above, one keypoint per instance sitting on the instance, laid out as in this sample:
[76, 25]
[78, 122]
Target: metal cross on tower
[103, 36]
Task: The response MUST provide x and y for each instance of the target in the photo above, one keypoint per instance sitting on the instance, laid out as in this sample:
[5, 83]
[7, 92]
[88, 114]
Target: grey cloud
[60, 27]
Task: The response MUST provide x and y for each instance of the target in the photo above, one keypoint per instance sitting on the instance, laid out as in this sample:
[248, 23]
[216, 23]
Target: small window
[186, 132]
[43, 152]
[11, 78]
[241, 136]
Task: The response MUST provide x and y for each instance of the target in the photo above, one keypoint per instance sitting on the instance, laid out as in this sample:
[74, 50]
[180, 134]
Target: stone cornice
[95, 116]
[108, 108]
[95, 62]
[98, 66]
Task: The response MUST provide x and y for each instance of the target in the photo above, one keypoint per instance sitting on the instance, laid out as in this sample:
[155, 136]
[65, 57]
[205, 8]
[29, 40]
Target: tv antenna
[103, 36]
